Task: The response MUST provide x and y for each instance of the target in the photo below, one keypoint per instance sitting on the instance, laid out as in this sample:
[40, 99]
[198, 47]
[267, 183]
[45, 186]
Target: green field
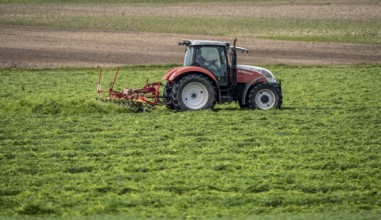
[65, 154]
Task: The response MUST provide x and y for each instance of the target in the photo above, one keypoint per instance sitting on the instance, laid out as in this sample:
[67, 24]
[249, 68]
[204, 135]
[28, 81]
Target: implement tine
[99, 90]
[116, 75]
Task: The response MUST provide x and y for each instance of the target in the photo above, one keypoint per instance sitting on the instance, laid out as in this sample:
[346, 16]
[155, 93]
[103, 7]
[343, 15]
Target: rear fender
[170, 72]
[173, 74]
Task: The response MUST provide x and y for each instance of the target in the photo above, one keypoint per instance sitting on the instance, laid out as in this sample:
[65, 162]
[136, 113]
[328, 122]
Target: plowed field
[52, 35]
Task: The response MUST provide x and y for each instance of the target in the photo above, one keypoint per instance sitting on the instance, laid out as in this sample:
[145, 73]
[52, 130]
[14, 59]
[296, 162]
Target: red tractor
[210, 75]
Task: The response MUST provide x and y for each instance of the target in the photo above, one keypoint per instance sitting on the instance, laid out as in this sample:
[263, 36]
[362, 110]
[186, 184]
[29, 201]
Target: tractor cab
[210, 55]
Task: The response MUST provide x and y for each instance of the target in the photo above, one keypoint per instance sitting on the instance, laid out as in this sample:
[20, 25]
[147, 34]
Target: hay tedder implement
[141, 99]
[210, 74]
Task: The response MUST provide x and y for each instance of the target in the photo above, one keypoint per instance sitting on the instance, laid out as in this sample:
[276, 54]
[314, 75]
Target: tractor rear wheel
[167, 96]
[193, 92]
[265, 96]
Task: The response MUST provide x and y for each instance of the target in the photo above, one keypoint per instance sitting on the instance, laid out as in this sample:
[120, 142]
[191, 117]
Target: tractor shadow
[233, 108]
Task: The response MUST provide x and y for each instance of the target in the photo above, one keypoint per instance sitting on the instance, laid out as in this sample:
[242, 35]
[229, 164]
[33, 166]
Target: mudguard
[249, 85]
[175, 72]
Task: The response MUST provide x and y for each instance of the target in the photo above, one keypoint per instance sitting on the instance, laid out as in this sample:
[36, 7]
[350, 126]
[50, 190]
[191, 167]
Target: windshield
[188, 57]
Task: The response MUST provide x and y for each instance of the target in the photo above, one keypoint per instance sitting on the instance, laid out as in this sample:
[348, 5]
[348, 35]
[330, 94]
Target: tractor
[209, 75]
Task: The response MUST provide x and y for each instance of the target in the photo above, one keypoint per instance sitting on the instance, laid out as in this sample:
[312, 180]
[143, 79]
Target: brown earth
[23, 46]
[40, 48]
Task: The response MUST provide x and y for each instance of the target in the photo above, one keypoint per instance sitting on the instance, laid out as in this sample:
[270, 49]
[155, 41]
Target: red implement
[148, 94]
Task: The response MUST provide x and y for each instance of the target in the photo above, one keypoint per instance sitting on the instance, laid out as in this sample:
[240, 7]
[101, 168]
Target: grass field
[64, 154]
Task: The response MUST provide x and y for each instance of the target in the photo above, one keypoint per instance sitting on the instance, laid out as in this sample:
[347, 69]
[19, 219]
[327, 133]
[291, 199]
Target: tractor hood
[246, 72]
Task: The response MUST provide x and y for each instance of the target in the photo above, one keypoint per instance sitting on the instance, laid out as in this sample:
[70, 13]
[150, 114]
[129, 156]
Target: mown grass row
[78, 157]
[272, 28]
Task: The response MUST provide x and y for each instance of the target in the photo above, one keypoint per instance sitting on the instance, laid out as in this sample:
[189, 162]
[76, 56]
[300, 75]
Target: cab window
[188, 57]
[213, 59]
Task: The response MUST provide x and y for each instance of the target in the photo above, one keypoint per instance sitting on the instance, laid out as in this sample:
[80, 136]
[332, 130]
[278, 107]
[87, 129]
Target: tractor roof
[211, 43]
[203, 43]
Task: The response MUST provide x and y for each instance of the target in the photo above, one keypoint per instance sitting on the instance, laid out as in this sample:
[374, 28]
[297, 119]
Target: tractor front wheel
[265, 96]
[193, 92]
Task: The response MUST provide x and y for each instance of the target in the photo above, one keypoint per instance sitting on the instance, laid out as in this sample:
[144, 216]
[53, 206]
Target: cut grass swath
[73, 156]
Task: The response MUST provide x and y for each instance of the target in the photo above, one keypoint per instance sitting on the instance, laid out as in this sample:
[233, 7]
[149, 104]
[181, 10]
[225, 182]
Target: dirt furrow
[40, 47]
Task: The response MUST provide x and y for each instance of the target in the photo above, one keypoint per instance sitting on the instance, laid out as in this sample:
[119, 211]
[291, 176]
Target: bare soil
[44, 48]
[37, 47]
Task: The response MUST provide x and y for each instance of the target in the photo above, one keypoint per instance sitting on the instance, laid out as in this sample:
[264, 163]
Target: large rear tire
[193, 92]
[265, 96]
[167, 93]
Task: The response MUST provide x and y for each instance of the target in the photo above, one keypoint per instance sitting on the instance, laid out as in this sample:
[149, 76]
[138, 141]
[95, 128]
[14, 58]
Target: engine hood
[255, 71]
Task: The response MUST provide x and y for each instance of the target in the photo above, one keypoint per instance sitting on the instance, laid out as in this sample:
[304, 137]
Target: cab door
[214, 59]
